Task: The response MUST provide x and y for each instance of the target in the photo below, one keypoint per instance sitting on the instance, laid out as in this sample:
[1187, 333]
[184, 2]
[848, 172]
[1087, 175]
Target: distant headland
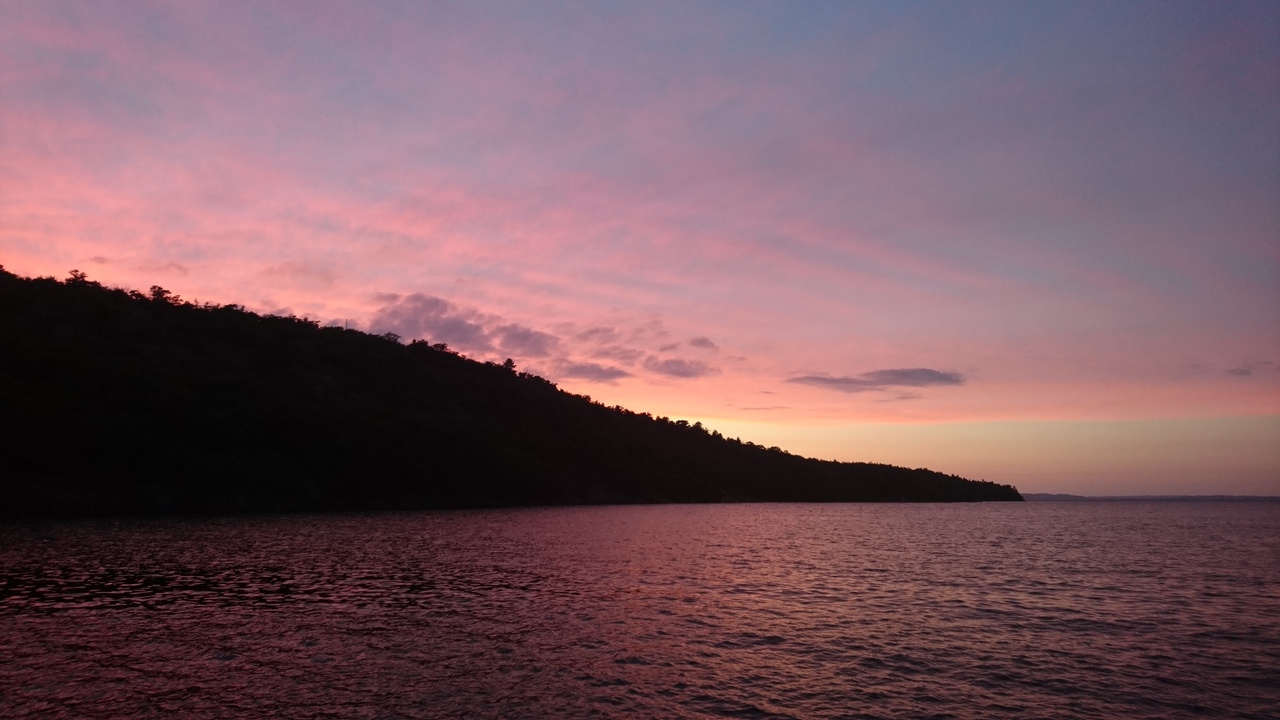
[1062, 497]
[127, 403]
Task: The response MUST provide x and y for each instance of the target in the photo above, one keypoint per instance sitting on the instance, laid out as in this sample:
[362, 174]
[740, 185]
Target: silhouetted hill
[118, 402]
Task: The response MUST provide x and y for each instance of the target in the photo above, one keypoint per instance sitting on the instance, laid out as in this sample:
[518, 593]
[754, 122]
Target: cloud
[622, 354]
[649, 331]
[668, 347]
[591, 372]
[295, 270]
[679, 367]
[914, 377]
[902, 396]
[704, 343]
[1246, 369]
[300, 276]
[435, 319]
[527, 342]
[882, 379]
[169, 267]
[598, 335]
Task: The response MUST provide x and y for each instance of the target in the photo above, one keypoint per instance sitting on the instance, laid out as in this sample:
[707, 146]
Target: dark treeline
[120, 402]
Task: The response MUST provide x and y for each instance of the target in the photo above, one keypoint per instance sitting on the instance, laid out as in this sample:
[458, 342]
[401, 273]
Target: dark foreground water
[1080, 609]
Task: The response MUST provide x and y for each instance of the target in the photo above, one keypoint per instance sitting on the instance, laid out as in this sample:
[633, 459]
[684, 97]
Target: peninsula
[127, 403]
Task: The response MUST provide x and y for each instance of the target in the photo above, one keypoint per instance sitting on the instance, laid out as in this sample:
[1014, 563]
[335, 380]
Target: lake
[1065, 609]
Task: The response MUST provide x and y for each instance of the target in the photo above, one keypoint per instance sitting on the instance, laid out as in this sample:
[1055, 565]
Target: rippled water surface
[1081, 609]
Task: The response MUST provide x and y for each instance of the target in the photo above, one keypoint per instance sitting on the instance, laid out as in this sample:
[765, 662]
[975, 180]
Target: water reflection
[1080, 610]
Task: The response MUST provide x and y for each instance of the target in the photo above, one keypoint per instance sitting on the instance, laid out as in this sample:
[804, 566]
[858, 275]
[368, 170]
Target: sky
[1030, 242]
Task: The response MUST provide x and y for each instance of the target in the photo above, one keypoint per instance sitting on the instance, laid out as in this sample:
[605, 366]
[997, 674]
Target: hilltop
[120, 402]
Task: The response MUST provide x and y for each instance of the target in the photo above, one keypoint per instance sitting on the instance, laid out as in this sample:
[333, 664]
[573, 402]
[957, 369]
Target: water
[1080, 609]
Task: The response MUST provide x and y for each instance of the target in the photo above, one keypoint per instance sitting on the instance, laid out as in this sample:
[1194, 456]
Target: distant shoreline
[1061, 497]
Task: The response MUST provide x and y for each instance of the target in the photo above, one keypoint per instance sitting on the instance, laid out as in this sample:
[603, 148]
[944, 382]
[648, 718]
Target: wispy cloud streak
[882, 380]
[679, 367]
[591, 372]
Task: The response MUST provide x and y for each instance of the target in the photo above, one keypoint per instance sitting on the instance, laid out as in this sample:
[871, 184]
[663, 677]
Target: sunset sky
[1031, 242]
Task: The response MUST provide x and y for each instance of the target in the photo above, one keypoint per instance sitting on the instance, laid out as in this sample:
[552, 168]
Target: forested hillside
[121, 402]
